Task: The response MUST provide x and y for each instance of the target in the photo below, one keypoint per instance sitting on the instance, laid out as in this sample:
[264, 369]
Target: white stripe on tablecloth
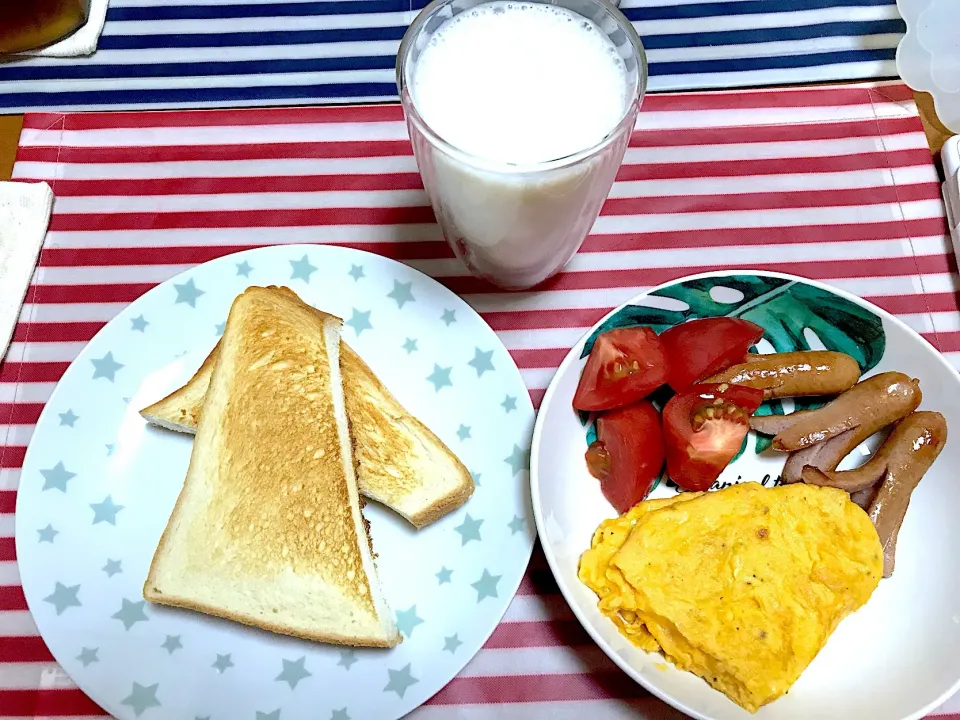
[367, 48]
[26, 392]
[28, 675]
[9, 574]
[17, 623]
[9, 480]
[646, 120]
[569, 710]
[536, 661]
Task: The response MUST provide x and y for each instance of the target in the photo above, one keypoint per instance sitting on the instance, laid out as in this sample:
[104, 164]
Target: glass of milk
[519, 113]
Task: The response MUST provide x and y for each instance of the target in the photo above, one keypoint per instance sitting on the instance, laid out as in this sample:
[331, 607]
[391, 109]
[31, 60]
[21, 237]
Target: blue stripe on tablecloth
[246, 39]
[713, 9]
[233, 12]
[852, 49]
[331, 92]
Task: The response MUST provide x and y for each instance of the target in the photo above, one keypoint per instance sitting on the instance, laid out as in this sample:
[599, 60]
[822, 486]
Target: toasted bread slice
[268, 530]
[402, 463]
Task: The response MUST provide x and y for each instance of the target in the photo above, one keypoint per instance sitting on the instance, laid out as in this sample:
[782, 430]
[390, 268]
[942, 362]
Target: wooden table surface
[937, 134]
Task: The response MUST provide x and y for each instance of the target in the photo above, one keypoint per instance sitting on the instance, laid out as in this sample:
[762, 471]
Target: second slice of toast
[402, 464]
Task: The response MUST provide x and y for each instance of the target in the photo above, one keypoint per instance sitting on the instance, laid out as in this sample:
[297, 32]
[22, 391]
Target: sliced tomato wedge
[699, 348]
[625, 365]
[703, 428]
[627, 455]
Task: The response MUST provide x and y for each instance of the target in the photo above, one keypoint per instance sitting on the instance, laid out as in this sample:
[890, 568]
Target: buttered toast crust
[268, 503]
[402, 463]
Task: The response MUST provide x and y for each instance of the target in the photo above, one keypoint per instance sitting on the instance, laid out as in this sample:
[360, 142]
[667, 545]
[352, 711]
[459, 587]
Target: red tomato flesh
[624, 366]
[628, 454]
[703, 429]
[699, 348]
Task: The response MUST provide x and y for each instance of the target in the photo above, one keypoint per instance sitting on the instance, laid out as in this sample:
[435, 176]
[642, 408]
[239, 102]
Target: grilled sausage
[904, 471]
[865, 408]
[794, 374]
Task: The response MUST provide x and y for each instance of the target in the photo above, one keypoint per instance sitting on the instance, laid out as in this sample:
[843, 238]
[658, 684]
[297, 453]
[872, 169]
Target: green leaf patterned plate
[897, 657]
[98, 485]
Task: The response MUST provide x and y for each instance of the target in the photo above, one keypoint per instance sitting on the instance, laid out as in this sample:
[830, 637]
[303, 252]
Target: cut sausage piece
[776, 424]
[926, 435]
[825, 456]
[794, 374]
[863, 498]
[913, 433]
[867, 407]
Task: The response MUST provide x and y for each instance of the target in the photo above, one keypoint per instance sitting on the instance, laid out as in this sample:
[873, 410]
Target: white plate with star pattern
[98, 485]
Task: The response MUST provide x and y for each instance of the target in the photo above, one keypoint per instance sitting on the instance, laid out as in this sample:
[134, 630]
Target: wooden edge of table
[9, 137]
[10, 126]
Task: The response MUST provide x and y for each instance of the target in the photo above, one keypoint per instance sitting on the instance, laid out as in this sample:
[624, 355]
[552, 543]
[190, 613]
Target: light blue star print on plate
[401, 293]
[518, 460]
[509, 404]
[88, 656]
[64, 597]
[222, 663]
[130, 613]
[486, 586]
[359, 321]
[188, 293]
[68, 418]
[142, 698]
[105, 511]
[112, 480]
[469, 529]
[347, 658]
[440, 377]
[516, 525]
[106, 367]
[302, 269]
[482, 361]
[407, 620]
[451, 643]
[293, 672]
[400, 680]
[56, 478]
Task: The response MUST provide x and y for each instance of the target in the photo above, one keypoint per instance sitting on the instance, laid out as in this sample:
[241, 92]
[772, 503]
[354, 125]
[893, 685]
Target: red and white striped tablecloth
[831, 183]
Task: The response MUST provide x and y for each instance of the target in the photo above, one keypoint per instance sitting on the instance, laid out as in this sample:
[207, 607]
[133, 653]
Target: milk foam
[520, 82]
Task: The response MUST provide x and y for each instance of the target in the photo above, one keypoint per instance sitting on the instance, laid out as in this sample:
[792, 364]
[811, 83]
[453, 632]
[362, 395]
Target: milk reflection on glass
[519, 114]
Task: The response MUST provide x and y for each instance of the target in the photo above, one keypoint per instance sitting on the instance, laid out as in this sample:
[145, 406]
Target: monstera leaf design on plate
[795, 316]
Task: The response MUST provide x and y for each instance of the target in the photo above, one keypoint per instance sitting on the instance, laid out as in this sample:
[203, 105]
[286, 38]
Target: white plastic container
[928, 57]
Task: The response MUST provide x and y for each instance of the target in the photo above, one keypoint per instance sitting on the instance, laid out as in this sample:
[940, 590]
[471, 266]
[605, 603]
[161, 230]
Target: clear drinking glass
[516, 225]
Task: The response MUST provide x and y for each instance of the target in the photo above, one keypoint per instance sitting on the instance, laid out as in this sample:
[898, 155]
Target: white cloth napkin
[24, 216]
[83, 41]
